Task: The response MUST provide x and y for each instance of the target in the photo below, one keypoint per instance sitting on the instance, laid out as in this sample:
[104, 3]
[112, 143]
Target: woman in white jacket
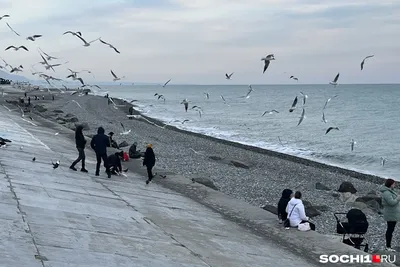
[296, 212]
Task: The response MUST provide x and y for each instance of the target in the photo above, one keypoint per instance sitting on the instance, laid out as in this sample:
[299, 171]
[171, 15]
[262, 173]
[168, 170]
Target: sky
[198, 41]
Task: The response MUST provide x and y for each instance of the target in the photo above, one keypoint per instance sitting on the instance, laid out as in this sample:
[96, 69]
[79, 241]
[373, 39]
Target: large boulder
[71, 119]
[217, 158]
[58, 111]
[347, 187]
[123, 144]
[347, 197]
[40, 108]
[313, 211]
[270, 208]
[369, 198]
[239, 164]
[206, 182]
[69, 115]
[320, 186]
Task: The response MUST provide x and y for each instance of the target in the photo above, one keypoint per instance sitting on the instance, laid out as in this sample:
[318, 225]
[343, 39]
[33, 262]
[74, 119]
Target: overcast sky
[198, 41]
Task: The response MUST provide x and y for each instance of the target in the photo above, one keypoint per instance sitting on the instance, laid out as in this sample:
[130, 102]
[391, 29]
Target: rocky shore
[253, 175]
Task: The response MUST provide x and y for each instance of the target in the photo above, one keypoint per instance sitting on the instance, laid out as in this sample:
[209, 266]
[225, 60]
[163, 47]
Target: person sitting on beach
[391, 210]
[149, 161]
[114, 162]
[287, 194]
[296, 211]
[130, 112]
[133, 153]
[112, 142]
[99, 143]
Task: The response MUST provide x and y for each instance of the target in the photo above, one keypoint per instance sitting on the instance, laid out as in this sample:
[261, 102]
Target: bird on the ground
[294, 78]
[228, 77]
[12, 29]
[124, 132]
[362, 63]
[34, 159]
[352, 144]
[248, 93]
[17, 48]
[303, 115]
[165, 84]
[4, 16]
[293, 105]
[304, 97]
[116, 78]
[269, 112]
[334, 82]
[110, 45]
[323, 118]
[33, 37]
[55, 165]
[328, 100]
[207, 95]
[331, 128]
[267, 60]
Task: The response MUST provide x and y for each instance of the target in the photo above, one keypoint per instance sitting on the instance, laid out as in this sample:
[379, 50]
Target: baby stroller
[354, 229]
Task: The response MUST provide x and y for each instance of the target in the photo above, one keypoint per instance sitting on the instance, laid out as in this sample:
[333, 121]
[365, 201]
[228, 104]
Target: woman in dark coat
[149, 161]
[283, 202]
[80, 145]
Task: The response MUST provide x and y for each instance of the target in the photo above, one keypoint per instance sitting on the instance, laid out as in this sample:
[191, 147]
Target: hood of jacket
[100, 130]
[385, 188]
[295, 201]
[286, 193]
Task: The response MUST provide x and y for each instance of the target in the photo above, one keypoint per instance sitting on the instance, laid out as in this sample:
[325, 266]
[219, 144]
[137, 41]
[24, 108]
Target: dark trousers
[103, 157]
[149, 172]
[81, 156]
[312, 226]
[389, 233]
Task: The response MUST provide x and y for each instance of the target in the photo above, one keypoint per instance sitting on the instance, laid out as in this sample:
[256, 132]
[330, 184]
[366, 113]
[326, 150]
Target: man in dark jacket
[80, 145]
[149, 161]
[99, 143]
[283, 202]
[114, 162]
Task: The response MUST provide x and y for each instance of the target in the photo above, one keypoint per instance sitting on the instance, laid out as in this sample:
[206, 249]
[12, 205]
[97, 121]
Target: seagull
[248, 93]
[362, 63]
[327, 101]
[331, 128]
[4, 16]
[183, 122]
[294, 78]
[51, 66]
[116, 78]
[334, 82]
[280, 142]
[270, 112]
[55, 165]
[22, 111]
[33, 37]
[110, 45]
[352, 143]
[124, 131]
[323, 117]
[293, 105]
[383, 161]
[73, 77]
[303, 115]
[86, 44]
[304, 97]
[17, 48]
[16, 69]
[160, 97]
[267, 60]
[12, 29]
[185, 102]
[223, 99]
[34, 159]
[165, 84]
[73, 33]
[47, 55]
[228, 77]
[76, 103]
[207, 95]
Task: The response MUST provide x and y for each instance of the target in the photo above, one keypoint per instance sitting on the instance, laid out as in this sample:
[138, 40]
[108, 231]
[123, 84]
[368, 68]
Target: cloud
[195, 41]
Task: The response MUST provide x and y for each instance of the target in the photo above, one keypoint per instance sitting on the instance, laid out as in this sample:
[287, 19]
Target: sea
[369, 114]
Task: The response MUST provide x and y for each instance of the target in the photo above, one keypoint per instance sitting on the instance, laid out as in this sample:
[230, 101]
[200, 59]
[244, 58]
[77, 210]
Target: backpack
[125, 156]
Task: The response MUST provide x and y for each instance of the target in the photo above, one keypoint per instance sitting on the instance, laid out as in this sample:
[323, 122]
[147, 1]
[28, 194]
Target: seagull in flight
[159, 96]
[165, 84]
[207, 95]
[73, 33]
[75, 78]
[331, 128]
[304, 97]
[270, 112]
[116, 78]
[323, 118]
[18, 69]
[110, 45]
[55, 165]
[223, 99]
[293, 105]
[294, 78]
[362, 63]
[329, 99]
[33, 37]
[4, 16]
[17, 48]
[303, 115]
[248, 93]
[125, 132]
[47, 55]
[334, 82]
[383, 161]
[267, 60]
[352, 143]
[228, 77]
[86, 44]
[12, 29]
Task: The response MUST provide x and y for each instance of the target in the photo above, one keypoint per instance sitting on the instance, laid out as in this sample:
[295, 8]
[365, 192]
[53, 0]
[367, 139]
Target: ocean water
[369, 114]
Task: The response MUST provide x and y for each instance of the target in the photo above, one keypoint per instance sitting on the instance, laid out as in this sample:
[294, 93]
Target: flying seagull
[328, 100]
[165, 84]
[383, 161]
[73, 33]
[16, 69]
[267, 60]
[17, 48]
[159, 96]
[185, 102]
[34, 159]
[223, 99]
[323, 118]
[304, 97]
[352, 143]
[4, 16]
[294, 78]
[55, 165]
[331, 128]
[362, 63]
[110, 45]
[334, 82]
[47, 55]
[207, 95]
[116, 78]
[33, 37]
[228, 77]
[12, 29]
[248, 93]
[293, 105]
[125, 132]
[303, 115]
[270, 112]
[75, 78]
[86, 44]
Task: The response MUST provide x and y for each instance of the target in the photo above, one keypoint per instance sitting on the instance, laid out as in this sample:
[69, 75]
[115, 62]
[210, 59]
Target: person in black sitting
[287, 194]
[133, 153]
[114, 162]
[99, 143]
[80, 145]
[112, 141]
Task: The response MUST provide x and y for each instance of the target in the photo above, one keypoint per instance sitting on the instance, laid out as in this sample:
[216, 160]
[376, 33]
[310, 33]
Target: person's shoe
[280, 221]
[73, 168]
[148, 181]
[109, 174]
[97, 174]
[287, 228]
[84, 170]
[390, 249]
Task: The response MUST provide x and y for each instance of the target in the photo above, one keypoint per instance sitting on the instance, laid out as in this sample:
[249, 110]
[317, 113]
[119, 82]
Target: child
[149, 161]
[287, 194]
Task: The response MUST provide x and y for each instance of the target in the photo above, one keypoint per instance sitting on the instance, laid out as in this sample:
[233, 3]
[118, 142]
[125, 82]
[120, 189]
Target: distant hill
[9, 76]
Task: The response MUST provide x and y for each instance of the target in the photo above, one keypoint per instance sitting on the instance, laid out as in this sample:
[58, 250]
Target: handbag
[286, 223]
[304, 227]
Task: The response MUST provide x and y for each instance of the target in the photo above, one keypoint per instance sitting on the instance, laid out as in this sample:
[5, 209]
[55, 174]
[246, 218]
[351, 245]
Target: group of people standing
[112, 163]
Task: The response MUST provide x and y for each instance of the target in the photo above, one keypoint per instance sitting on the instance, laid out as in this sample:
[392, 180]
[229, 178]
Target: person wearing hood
[80, 145]
[296, 212]
[99, 143]
[114, 161]
[112, 141]
[149, 161]
[391, 210]
[282, 204]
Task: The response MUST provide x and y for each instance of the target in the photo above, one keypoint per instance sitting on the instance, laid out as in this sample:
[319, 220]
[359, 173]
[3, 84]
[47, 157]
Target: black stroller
[354, 229]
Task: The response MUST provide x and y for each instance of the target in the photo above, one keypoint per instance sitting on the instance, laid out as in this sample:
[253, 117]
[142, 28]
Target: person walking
[99, 143]
[149, 161]
[80, 145]
[391, 210]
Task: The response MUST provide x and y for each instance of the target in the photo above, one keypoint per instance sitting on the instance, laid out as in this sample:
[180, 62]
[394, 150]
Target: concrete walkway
[59, 218]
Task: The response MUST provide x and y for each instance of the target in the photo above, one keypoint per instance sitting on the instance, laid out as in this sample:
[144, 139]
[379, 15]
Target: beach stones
[58, 111]
[239, 164]
[312, 211]
[40, 108]
[206, 182]
[217, 158]
[270, 208]
[123, 144]
[71, 119]
[347, 187]
[347, 197]
[320, 186]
